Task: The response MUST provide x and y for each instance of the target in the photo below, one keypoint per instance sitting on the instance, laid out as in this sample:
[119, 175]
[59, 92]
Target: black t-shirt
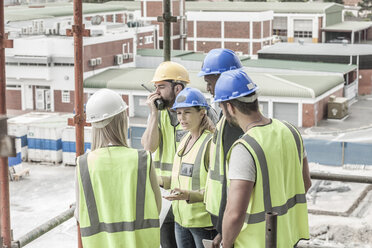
[229, 136]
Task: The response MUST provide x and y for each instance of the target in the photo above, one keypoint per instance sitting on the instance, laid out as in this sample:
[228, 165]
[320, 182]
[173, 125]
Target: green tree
[365, 5]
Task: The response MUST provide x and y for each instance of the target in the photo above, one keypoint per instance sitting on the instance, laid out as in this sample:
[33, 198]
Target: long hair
[206, 123]
[115, 133]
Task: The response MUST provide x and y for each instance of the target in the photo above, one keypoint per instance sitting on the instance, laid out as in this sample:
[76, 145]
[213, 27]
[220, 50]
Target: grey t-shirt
[242, 165]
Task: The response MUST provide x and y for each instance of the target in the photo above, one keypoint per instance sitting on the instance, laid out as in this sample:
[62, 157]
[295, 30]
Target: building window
[148, 39]
[65, 96]
[280, 32]
[303, 34]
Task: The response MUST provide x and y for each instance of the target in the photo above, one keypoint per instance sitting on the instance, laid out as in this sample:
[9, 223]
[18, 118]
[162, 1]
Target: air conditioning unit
[125, 56]
[92, 62]
[118, 59]
[30, 30]
[99, 60]
[48, 31]
[24, 30]
[130, 55]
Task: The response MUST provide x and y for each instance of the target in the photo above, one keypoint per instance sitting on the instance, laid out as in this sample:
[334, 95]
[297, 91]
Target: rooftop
[318, 49]
[277, 7]
[278, 85]
[52, 10]
[351, 26]
[299, 65]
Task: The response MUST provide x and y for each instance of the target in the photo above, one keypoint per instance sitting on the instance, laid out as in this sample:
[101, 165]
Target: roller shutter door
[286, 111]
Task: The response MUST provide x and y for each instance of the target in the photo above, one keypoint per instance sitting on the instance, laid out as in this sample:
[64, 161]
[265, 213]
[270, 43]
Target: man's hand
[217, 241]
[151, 102]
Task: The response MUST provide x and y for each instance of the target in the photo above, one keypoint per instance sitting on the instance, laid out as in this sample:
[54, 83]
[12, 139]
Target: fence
[338, 153]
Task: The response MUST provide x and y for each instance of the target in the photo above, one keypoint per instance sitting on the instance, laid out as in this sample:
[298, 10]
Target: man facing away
[266, 170]
[216, 62]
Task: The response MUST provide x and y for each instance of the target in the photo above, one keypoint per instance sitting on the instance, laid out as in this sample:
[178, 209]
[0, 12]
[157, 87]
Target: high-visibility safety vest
[213, 188]
[170, 137]
[117, 206]
[277, 150]
[189, 173]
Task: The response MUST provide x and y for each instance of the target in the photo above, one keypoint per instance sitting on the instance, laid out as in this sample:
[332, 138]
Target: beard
[231, 120]
[168, 103]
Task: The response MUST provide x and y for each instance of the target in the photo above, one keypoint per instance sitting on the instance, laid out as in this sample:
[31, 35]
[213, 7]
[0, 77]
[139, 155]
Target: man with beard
[218, 61]
[163, 132]
[266, 170]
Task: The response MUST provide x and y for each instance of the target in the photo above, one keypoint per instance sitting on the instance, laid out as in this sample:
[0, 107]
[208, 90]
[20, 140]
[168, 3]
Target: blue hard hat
[190, 97]
[218, 61]
[233, 84]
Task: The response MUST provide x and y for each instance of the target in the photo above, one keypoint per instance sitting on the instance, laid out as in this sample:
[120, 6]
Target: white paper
[207, 243]
[165, 206]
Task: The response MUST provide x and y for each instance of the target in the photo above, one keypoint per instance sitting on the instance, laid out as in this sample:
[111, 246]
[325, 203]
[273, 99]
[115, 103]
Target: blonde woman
[189, 174]
[118, 199]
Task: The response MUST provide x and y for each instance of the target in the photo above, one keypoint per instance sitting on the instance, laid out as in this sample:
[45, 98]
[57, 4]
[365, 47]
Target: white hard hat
[102, 106]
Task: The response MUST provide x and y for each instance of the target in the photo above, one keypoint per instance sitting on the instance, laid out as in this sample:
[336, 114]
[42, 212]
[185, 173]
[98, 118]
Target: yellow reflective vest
[277, 150]
[189, 173]
[117, 206]
[213, 188]
[170, 137]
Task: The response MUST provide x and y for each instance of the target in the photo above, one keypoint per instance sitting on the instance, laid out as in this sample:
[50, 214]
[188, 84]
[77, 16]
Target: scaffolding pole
[78, 31]
[167, 18]
[341, 177]
[4, 170]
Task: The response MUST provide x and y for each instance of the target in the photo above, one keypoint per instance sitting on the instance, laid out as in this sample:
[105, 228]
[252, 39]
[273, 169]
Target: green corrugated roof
[24, 12]
[298, 65]
[277, 7]
[300, 86]
[159, 52]
[318, 83]
[348, 26]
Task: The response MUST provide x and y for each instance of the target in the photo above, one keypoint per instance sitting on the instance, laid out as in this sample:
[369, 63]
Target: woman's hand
[177, 195]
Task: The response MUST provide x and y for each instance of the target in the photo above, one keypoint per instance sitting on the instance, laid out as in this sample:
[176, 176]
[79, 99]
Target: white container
[69, 144]
[44, 138]
[18, 127]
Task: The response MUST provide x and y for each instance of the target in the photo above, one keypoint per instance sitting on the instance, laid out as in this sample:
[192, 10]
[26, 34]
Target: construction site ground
[340, 213]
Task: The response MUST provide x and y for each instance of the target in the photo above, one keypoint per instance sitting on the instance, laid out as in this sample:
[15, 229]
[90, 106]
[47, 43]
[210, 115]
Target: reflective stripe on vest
[171, 144]
[198, 163]
[215, 174]
[283, 209]
[95, 225]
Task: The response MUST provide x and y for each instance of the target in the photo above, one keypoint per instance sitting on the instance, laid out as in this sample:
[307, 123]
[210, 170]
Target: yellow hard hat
[169, 70]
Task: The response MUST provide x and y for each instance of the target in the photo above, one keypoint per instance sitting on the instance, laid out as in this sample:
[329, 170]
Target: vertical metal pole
[271, 224]
[4, 170]
[166, 33]
[79, 94]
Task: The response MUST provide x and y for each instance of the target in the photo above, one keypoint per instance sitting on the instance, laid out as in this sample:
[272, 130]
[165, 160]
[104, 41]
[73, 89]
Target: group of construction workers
[222, 173]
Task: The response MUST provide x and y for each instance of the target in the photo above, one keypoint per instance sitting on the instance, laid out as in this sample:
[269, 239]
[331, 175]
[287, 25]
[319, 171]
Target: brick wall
[238, 46]
[14, 99]
[207, 45]
[237, 30]
[119, 18]
[365, 83]
[266, 29]
[190, 29]
[106, 51]
[176, 44]
[143, 36]
[256, 30]
[208, 29]
[308, 110]
[154, 9]
[256, 47]
[190, 45]
[369, 34]
[60, 106]
[109, 18]
[320, 25]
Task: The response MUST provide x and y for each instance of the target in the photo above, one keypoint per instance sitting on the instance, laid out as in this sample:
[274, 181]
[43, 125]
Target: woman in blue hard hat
[189, 174]
[118, 199]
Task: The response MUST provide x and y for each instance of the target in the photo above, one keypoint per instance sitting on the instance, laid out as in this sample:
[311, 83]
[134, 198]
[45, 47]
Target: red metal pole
[78, 30]
[4, 170]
